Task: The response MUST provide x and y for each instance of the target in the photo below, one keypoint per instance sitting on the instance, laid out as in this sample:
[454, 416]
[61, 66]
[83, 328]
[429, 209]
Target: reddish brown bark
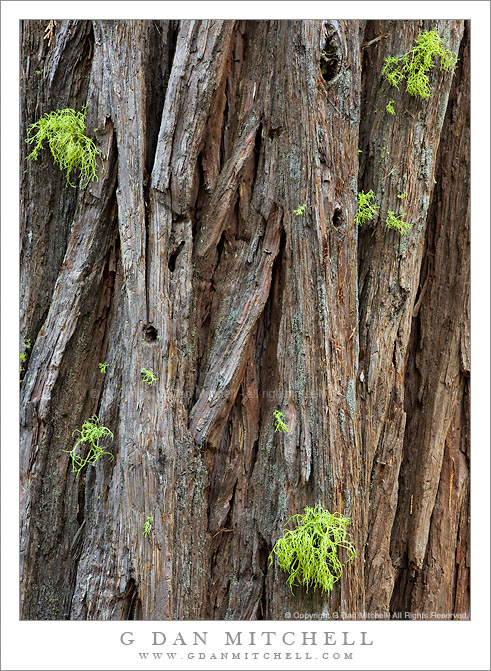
[186, 258]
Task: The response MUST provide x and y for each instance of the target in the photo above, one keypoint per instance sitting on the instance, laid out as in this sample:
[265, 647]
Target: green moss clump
[90, 433]
[414, 65]
[395, 221]
[148, 525]
[64, 130]
[390, 106]
[309, 552]
[366, 209]
[300, 210]
[279, 423]
[148, 376]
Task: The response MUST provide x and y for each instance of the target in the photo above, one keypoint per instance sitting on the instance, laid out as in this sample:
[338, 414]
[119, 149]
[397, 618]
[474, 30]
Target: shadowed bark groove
[186, 258]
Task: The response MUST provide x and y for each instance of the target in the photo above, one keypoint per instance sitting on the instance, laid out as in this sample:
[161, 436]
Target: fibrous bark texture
[186, 258]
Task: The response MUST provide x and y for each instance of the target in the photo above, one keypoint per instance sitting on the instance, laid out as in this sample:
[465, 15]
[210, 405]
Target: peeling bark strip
[186, 258]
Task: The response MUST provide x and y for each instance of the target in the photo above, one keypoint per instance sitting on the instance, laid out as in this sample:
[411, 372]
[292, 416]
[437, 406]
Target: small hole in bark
[337, 217]
[173, 257]
[330, 55]
[273, 133]
[150, 333]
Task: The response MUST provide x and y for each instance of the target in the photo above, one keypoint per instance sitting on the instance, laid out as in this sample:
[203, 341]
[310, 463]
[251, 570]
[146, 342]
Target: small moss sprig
[148, 376]
[23, 355]
[103, 367]
[414, 65]
[309, 552]
[395, 221]
[366, 209]
[390, 106]
[64, 130]
[300, 210]
[148, 525]
[90, 433]
[279, 423]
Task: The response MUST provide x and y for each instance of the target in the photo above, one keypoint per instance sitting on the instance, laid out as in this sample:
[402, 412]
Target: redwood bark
[185, 257]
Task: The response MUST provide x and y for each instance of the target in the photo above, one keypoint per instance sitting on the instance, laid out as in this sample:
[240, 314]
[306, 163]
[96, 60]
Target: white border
[95, 645]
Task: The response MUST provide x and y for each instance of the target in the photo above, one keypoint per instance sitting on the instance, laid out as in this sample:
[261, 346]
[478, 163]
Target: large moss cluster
[309, 552]
[64, 131]
[417, 62]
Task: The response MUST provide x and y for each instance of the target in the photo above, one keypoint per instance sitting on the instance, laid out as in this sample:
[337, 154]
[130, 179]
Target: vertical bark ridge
[288, 465]
[48, 214]
[398, 156]
[433, 496]
[56, 396]
[135, 489]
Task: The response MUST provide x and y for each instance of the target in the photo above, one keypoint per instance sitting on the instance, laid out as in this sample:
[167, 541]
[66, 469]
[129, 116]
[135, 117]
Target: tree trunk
[185, 258]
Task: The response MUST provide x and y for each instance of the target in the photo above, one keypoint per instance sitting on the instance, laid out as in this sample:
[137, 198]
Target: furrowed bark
[399, 156]
[186, 258]
[431, 534]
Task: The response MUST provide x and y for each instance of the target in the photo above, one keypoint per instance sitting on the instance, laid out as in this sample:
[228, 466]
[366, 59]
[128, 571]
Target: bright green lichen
[148, 525]
[279, 423]
[366, 209]
[90, 433]
[71, 149]
[23, 355]
[103, 367]
[309, 552]
[148, 376]
[390, 106]
[414, 65]
[300, 210]
[395, 221]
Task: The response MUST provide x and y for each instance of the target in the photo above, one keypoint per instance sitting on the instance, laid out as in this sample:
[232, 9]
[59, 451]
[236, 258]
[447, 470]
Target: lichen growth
[148, 525]
[279, 423]
[351, 398]
[300, 210]
[23, 355]
[366, 209]
[90, 433]
[395, 221]
[414, 65]
[148, 376]
[64, 130]
[309, 552]
[342, 422]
